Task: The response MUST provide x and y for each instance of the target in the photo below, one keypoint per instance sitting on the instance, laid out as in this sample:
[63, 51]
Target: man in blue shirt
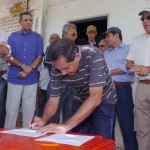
[27, 52]
[115, 58]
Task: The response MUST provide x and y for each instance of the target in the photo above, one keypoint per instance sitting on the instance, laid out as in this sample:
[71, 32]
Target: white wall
[122, 13]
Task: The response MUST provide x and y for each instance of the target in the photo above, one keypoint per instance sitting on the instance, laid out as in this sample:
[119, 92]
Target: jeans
[125, 113]
[3, 94]
[100, 122]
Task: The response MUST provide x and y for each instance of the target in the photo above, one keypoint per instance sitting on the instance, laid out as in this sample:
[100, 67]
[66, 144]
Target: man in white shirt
[139, 63]
[4, 50]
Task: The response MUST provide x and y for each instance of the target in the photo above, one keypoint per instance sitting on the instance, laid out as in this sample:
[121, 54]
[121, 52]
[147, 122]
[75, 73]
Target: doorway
[99, 22]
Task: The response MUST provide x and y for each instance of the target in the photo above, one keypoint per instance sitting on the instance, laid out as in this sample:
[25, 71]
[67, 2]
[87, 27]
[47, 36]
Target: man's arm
[27, 69]
[83, 112]
[4, 50]
[116, 71]
[129, 64]
[37, 62]
[138, 69]
[86, 108]
[49, 110]
[13, 61]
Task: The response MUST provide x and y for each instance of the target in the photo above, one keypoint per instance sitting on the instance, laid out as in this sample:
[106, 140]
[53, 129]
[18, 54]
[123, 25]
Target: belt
[122, 83]
[144, 81]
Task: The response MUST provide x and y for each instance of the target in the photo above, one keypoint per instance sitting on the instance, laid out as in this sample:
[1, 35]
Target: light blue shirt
[116, 58]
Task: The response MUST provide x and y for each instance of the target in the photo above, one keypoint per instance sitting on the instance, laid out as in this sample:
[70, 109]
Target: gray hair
[66, 28]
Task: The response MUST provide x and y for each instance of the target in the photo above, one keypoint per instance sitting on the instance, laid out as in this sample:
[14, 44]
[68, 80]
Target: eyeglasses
[146, 17]
[73, 34]
[101, 46]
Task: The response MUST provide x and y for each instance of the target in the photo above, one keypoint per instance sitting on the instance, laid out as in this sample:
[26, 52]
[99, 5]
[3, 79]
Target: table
[16, 142]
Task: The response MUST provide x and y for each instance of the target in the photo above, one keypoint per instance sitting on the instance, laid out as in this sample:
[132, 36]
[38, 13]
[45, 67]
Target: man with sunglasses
[139, 63]
[115, 58]
[70, 31]
[103, 46]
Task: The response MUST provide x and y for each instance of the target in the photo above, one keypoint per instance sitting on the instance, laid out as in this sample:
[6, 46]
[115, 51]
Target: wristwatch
[20, 65]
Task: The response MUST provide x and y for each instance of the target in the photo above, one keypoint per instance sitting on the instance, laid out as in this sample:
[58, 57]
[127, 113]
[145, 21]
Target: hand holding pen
[33, 118]
[36, 122]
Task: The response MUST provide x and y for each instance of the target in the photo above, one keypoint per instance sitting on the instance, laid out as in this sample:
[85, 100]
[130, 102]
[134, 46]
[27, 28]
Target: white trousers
[16, 93]
[142, 115]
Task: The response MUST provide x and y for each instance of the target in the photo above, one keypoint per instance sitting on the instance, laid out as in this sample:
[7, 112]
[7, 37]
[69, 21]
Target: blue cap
[113, 29]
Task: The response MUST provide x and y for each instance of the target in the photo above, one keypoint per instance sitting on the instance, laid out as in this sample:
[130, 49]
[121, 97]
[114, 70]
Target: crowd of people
[78, 88]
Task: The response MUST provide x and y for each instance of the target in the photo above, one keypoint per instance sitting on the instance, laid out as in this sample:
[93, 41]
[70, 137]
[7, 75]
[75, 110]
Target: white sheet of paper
[70, 139]
[23, 132]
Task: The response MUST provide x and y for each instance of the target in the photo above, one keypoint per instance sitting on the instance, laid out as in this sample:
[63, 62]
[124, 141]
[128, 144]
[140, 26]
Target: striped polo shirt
[92, 72]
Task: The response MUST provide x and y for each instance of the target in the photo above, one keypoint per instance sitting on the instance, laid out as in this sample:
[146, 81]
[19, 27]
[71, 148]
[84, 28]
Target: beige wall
[122, 13]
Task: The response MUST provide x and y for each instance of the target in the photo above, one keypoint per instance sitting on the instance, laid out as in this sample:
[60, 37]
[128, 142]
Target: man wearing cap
[139, 63]
[115, 58]
[91, 33]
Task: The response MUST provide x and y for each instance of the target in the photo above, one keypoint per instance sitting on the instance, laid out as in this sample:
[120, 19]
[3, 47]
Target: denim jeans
[125, 113]
[100, 122]
[3, 94]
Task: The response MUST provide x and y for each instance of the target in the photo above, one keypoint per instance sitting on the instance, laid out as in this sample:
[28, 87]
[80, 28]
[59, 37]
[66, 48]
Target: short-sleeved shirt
[116, 58]
[25, 48]
[92, 72]
[140, 52]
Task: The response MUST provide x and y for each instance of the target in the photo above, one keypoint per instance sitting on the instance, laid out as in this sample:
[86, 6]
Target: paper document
[69, 139]
[23, 132]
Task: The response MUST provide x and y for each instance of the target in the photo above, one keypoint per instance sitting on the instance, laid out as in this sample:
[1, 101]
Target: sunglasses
[143, 18]
[73, 34]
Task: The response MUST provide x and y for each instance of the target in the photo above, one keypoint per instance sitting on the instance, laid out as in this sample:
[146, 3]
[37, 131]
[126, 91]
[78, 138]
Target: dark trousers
[42, 99]
[100, 122]
[65, 104]
[125, 113]
[3, 94]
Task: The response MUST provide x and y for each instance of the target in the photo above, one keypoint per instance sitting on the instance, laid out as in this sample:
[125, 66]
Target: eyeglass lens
[73, 34]
[146, 17]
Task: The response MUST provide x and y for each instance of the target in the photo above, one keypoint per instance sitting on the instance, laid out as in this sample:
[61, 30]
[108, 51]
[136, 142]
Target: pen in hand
[33, 118]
